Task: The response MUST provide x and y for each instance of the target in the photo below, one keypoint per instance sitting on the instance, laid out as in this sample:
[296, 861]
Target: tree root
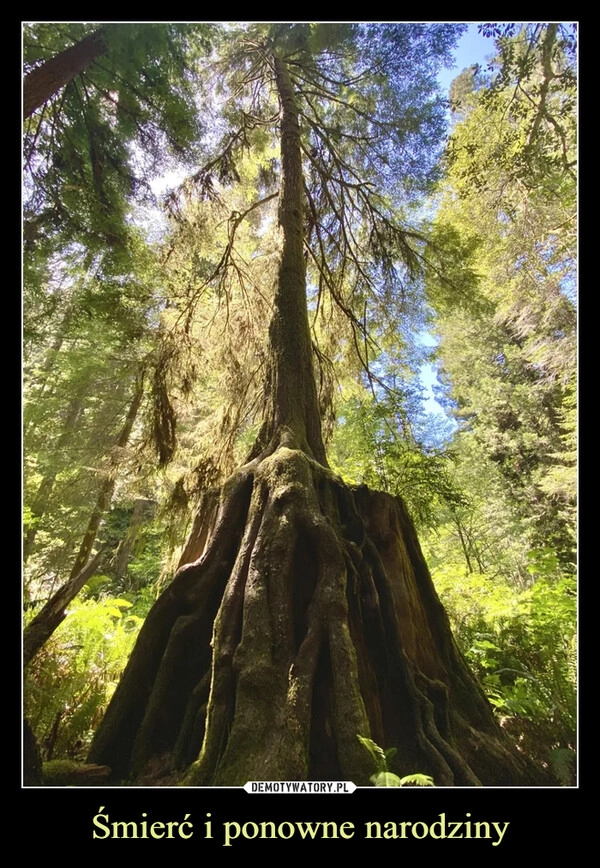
[310, 618]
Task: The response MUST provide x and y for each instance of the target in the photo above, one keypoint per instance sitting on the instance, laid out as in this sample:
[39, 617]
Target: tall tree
[80, 369]
[510, 204]
[303, 614]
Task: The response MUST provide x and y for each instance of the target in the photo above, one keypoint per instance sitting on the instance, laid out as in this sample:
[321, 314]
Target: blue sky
[472, 48]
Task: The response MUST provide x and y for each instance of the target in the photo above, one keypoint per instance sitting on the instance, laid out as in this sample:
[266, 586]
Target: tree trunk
[45, 80]
[305, 615]
[292, 413]
[54, 612]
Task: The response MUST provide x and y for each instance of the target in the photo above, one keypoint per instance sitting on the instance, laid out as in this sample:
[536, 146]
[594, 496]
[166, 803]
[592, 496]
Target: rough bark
[309, 618]
[292, 413]
[45, 80]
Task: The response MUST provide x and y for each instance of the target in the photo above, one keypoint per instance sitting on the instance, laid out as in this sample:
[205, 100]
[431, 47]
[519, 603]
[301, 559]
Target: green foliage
[70, 681]
[416, 780]
[522, 645]
[526, 115]
[462, 90]
[373, 444]
[92, 149]
[137, 539]
[505, 301]
[484, 532]
[383, 777]
[86, 368]
[378, 755]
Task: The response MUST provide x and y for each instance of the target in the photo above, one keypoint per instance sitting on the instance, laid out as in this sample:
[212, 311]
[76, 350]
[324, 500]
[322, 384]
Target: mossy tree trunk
[303, 613]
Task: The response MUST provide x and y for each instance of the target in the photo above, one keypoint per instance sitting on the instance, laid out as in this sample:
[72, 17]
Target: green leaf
[417, 780]
[378, 755]
[386, 779]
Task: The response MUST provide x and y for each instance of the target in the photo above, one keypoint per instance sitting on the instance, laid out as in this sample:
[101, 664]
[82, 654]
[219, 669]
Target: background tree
[508, 347]
[81, 373]
[508, 350]
[43, 81]
[89, 359]
[91, 146]
[46, 621]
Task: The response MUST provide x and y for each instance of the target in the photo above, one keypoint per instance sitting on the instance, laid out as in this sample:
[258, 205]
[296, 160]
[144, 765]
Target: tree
[510, 207]
[48, 619]
[46, 79]
[303, 614]
[104, 108]
[83, 355]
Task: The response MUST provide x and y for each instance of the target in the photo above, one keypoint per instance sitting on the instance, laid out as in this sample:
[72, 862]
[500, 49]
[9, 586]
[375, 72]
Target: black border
[542, 821]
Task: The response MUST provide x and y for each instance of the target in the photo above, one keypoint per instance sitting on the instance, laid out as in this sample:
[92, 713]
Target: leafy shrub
[522, 645]
[70, 681]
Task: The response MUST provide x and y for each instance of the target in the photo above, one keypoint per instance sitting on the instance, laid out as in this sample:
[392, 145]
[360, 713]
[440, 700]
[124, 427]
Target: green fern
[377, 754]
[383, 777]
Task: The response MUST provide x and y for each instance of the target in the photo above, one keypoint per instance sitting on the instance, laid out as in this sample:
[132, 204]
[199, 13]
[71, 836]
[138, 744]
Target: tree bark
[44, 81]
[310, 619]
[305, 615]
[292, 411]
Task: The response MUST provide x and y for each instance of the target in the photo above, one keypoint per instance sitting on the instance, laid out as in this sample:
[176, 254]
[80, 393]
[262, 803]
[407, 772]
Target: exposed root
[309, 618]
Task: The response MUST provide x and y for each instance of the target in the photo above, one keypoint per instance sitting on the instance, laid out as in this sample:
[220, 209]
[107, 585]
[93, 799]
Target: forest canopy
[236, 237]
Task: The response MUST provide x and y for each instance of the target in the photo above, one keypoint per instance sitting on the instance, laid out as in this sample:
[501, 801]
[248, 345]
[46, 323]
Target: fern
[377, 754]
[383, 777]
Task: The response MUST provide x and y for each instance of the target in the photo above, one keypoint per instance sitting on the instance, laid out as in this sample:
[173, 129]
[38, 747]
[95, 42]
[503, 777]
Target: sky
[472, 48]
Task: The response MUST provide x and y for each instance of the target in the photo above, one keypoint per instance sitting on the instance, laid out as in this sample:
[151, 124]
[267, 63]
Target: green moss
[59, 773]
